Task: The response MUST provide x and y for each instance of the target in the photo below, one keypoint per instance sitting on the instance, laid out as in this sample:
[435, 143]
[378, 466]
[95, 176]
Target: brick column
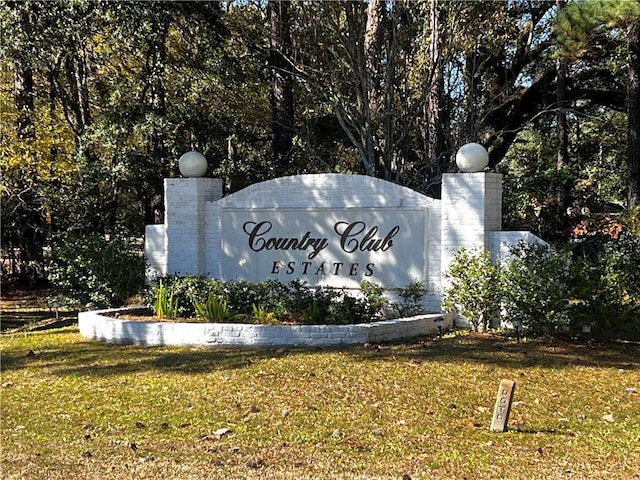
[186, 222]
[471, 210]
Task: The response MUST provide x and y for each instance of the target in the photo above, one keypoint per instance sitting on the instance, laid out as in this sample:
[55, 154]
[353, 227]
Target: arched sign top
[326, 190]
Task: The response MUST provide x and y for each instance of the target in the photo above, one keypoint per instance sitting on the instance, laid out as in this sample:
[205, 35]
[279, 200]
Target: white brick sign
[325, 229]
[337, 248]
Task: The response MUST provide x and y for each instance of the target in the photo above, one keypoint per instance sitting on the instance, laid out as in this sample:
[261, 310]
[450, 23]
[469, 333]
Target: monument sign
[331, 230]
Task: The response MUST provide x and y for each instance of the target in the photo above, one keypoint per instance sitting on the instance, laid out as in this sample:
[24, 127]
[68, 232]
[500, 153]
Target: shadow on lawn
[101, 359]
[12, 319]
[502, 351]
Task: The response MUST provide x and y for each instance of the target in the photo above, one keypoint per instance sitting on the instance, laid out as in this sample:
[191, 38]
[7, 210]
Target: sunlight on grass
[74, 408]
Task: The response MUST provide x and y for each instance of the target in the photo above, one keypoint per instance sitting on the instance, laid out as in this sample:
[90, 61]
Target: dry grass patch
[80, 409]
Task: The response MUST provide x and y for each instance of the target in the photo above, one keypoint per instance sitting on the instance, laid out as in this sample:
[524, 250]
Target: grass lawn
[72, 408]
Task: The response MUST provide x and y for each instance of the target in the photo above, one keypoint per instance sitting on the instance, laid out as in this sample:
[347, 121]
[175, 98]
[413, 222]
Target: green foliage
[267, 302]
[313, 314]
[215, 309]
[166, 304]
[552, 291]
[605, 290]
[411, 299]
[187, 290]
[346, 310]
[262, 316]
[374, 299]
[473, 289]
[270, 294]
[631, 219]
[93, 269]
[535, 288]
[310, 305]
[537, 195]
[579, 22]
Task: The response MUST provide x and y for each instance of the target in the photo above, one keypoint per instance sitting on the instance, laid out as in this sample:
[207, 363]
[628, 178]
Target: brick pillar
[471, 210]
[186, 222]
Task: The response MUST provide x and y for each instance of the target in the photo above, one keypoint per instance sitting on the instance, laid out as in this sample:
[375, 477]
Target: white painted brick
[190, 240]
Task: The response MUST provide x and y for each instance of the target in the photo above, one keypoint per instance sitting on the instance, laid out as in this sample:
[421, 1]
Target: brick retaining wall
[99, 325]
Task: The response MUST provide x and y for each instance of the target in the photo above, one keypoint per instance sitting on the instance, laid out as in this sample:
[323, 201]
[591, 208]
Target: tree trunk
[562, 156]
[156, 60]
[633, 105]
[435, 133]
[282, 102]
[368, 70]
[24, 99]
[23, 81]
[562, 135]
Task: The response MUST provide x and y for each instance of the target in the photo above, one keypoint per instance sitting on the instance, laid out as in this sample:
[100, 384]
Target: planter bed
[103, 326]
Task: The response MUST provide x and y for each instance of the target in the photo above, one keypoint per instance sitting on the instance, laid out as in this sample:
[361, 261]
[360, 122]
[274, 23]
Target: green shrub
[267, 302]
[374, 300]
[93, 269]
[551, 292]
[346, 310]
[313, 314]
[535, 287]
[474, 288]
[605, 290]
[411, 299]
[310, 305]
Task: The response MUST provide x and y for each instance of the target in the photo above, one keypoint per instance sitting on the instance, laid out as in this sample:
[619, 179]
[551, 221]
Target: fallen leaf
[221, 432]
[608, 418]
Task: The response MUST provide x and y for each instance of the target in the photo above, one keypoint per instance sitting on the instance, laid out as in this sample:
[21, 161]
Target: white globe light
[472, 157]
[193, 164]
